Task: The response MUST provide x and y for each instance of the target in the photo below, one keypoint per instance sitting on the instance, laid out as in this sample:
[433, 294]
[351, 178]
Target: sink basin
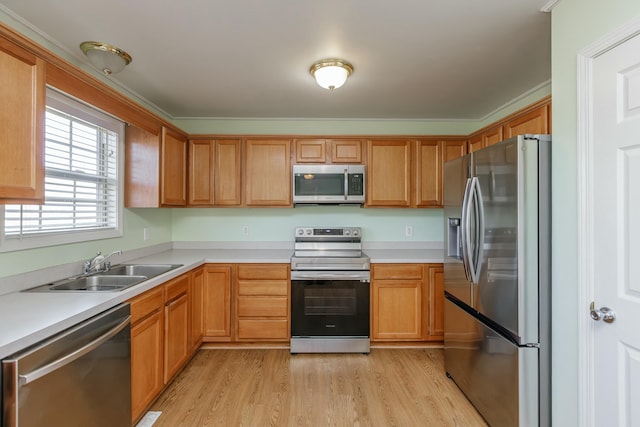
[117, 278]
[148, 270]
[97, 283]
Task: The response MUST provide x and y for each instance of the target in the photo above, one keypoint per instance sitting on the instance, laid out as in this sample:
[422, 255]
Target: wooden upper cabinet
[214, 172]
[428, 183]
[389, 173]
[155, 168]
[492, 136]
[328, 150]
[267, 172]
[475, 143]
[534, 122]
[311, 150]
[201, 172]
[22, 107]
[346, 151]
[173, 169]
[453, 149]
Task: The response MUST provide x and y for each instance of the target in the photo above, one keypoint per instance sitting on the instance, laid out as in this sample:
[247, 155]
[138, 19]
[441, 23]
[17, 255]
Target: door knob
[604, 313]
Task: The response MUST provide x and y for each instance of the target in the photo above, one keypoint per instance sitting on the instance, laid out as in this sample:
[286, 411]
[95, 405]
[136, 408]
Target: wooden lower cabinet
[436, 302]
[176, 326]
[147, 347]
[406, 304]
[160, 340]
[262, 302]
[196, 326]
[216, 302]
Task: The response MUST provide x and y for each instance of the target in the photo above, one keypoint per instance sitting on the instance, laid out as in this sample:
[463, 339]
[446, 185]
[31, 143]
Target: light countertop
[30, 317]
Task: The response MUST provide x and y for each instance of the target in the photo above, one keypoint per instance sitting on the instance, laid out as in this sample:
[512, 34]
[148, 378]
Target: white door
[615, 243]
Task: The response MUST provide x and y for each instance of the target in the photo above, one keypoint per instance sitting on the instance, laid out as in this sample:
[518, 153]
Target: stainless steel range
[329, 291]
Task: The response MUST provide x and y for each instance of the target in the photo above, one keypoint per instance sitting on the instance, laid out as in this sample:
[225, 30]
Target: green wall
[277, 225]
[158, 221]
[575, 25]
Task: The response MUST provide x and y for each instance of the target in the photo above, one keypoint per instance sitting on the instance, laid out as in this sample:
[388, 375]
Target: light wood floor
[389, 387]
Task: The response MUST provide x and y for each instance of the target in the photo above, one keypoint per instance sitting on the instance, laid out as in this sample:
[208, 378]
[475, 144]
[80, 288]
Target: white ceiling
[413, 59]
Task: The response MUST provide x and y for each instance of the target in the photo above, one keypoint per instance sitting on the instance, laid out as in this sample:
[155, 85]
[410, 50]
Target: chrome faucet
[99, 263]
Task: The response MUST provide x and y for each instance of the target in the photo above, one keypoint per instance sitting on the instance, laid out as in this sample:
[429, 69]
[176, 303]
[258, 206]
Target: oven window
[334, 302]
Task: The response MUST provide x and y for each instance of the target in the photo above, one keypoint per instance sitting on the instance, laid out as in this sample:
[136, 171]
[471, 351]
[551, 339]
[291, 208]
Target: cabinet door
[173, 169]
[311, 150]
[397, 310]
[146, 363]
[22, 85]
[227, 173]
[268, 173]
[454, 149]
[492, 136]
[476, 143]
[436, 302]
[147, 349]
[217, 302]
[196, 290]
[176, 335]
[535, 122]
[428, 174]
[142, 168]
[346, 151]
[389, 173]
[201, 172]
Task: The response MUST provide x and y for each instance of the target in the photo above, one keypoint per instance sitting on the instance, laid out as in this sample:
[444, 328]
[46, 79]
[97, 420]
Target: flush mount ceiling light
[331, 73]
[105, 57]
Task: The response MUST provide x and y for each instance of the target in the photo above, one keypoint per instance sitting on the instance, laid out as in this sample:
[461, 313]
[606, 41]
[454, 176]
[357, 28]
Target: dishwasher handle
[65, 360]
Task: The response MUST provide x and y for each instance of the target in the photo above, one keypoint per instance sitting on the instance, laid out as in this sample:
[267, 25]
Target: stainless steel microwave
[328, 184]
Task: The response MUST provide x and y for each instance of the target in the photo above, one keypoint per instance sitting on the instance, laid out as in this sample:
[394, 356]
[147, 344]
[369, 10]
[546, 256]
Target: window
[82, 180]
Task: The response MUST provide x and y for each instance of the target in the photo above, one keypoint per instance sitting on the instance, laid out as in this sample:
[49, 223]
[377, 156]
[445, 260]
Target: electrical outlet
[408, 231]
[146, 234]
[245, 230]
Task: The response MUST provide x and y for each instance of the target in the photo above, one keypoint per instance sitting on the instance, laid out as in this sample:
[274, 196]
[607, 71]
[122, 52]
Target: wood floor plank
[270, 387]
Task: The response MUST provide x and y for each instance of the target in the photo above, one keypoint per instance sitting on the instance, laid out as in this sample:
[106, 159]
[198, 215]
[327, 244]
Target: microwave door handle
[346, 183]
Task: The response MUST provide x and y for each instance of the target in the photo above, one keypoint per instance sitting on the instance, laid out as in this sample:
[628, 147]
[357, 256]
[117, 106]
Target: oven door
[330, 304]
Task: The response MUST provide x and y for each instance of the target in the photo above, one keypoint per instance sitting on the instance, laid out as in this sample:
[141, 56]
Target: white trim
[586, 291]
[549, 6]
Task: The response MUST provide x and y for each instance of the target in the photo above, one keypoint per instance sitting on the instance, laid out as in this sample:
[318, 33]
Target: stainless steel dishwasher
[77, 378]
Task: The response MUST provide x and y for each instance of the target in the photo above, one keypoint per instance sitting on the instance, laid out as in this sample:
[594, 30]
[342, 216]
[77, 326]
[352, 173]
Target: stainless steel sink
[117, 278]
[148, 270]
[97, 283]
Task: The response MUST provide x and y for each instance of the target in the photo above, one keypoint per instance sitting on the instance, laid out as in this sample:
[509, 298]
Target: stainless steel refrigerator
[497, 279]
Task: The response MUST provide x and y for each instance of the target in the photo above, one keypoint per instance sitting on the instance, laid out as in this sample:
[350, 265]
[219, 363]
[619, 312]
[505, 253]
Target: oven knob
[347, 232]
[308, 231]
[300, 231]
[355, 232]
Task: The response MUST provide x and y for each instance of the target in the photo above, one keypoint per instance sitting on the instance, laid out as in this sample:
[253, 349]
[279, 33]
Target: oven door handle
[328, 276]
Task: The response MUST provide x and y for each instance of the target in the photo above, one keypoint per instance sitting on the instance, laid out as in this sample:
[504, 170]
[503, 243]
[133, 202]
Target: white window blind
[81, 174]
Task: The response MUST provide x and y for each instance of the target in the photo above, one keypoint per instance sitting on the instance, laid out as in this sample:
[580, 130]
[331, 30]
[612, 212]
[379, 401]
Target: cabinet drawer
[176, 287]
[263, 287]
[145, 304]
[397, 271]
[266, 271]
[262, 306]
[263, 329]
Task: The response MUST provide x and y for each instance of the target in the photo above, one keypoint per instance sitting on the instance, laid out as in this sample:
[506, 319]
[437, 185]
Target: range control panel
[328, 232]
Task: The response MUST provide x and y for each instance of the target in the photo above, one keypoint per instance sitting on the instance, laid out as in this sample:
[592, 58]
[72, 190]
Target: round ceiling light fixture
[105, 57]
[331, 73]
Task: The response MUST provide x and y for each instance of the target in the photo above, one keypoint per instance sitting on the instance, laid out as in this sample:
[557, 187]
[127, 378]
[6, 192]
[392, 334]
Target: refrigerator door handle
[464, 227]
[476, 265]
